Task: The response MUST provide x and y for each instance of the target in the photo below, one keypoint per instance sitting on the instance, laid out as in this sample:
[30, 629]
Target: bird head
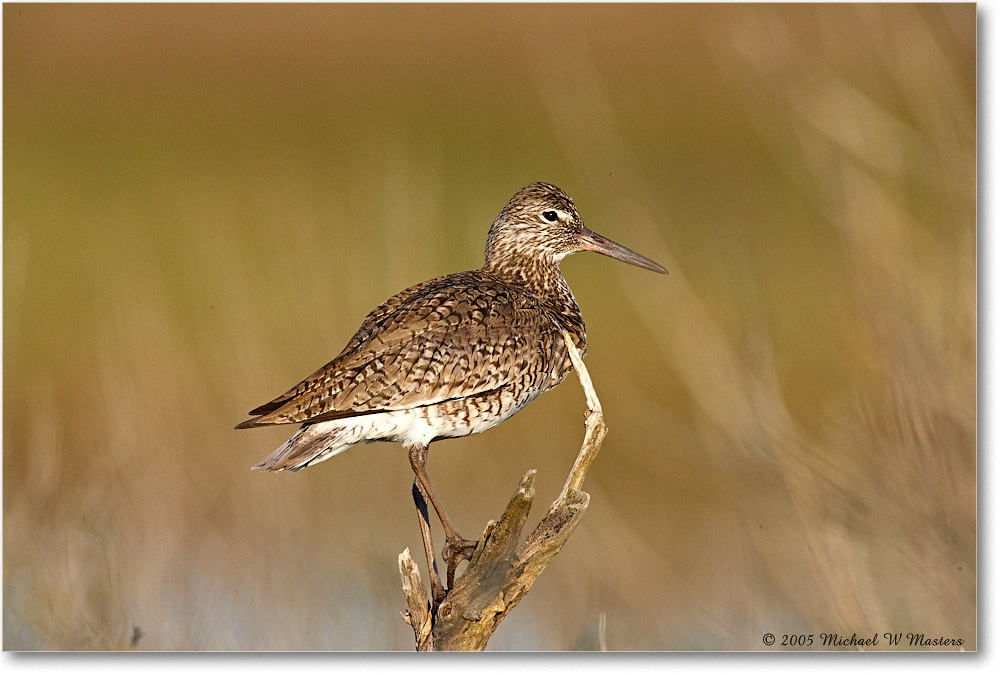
[540, 222]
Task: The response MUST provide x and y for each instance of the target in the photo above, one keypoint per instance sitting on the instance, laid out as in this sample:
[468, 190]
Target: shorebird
[452, 356]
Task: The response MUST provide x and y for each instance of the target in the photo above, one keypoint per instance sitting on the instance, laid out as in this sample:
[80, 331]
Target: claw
[438, 592]
[456, 549]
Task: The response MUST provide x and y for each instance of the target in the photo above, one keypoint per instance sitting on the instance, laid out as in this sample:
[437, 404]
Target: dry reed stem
[501, 572]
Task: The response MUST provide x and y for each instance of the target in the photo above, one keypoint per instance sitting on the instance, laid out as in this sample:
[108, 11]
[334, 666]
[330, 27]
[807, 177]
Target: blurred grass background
[201, 203]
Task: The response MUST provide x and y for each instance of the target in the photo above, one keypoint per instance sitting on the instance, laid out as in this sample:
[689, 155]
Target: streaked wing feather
[375, 317]
[450, 337]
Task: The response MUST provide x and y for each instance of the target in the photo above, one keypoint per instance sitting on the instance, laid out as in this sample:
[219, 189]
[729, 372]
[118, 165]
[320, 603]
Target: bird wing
[448, 338]
[376, 318]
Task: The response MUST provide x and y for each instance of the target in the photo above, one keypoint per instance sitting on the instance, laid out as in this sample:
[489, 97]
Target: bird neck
[540, 275]
[543, 279]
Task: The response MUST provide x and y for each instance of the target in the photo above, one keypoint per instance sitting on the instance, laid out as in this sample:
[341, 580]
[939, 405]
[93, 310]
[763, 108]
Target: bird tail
[311, 443]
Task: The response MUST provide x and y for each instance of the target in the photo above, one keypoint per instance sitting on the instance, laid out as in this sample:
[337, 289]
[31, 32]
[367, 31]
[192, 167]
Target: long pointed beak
[591, 241]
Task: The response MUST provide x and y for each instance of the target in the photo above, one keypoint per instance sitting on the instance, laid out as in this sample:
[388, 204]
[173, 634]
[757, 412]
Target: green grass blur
[201, 203]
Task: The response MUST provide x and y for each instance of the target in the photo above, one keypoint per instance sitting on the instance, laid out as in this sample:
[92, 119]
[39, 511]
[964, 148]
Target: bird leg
[437, 590]
[456, 547]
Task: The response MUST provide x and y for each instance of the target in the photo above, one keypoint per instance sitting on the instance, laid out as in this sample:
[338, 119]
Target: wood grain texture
[503, 569]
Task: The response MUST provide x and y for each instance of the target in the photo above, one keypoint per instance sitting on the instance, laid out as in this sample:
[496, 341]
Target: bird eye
[550, 216]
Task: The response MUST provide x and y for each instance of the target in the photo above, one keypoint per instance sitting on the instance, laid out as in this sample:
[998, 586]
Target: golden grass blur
[202, 202]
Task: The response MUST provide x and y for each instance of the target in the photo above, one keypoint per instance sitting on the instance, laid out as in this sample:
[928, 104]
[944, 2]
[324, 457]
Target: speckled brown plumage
[452, 356]
[459, 353]
[450, 338]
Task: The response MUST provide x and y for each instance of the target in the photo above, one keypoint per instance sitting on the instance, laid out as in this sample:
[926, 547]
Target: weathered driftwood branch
[501, 572]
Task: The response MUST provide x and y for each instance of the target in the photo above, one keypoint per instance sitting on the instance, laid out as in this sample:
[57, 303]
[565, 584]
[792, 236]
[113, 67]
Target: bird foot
[456, 549]
[438, 591]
